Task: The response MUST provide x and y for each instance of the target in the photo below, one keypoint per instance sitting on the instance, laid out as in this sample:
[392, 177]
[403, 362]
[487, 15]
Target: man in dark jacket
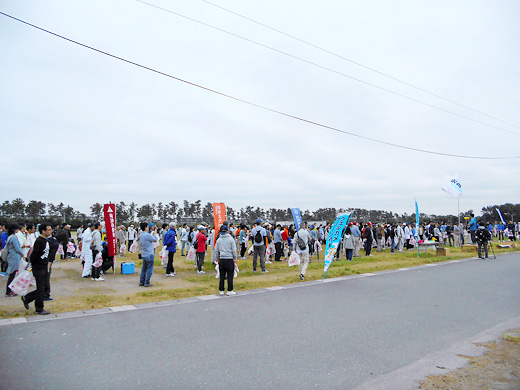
[170, 240]
[40, 263]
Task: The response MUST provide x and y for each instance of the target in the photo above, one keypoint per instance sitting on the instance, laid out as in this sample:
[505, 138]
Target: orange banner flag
[219, 216]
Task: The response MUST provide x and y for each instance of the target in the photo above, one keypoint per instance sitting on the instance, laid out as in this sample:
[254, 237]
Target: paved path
[335, 335]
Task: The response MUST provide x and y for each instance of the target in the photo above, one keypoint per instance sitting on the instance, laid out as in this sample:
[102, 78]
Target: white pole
[458, 214]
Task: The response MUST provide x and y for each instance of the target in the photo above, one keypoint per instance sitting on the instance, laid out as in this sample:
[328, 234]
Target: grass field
[73, 293]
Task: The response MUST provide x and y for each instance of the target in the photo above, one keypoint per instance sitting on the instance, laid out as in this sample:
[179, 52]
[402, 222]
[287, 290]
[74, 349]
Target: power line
[258, 105]
[326, 68]
[356, 63]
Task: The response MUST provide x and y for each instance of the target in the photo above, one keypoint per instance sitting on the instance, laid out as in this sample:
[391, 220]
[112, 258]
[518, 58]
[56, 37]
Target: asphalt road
[335, 335]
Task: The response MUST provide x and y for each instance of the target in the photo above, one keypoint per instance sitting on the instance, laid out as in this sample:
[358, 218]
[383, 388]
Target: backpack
[5, 251]
[301, 244]
[196, 242]
[258, 237]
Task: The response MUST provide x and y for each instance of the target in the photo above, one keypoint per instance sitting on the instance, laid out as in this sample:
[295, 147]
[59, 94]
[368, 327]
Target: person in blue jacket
[501, 227]
[170, 240]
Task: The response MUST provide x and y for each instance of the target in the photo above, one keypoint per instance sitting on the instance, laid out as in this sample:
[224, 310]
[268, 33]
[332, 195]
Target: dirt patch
[497, 369]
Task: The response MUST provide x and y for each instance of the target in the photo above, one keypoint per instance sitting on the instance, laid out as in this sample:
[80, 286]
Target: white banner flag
[454, 187]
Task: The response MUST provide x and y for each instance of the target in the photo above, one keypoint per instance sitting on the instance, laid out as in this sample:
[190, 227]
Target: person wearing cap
[132, 235]
[259, 236]
[356, 233]
[170, 240]
[200, 242]
[302, 241]
[226, 255]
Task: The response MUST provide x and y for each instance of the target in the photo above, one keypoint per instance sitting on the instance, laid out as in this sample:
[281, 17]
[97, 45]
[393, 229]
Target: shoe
[202, 272]
[371, 255]
[254, 270]
[221, 292]
[48, 299]
[26, 305]
[141, 284]
[3, 274]
[100, 279]
[231, 293]
[269, 262]
[265, 271]
[92, 279]
[42, 312]
[302, 277]
[148, 285]
[170, 275]
[86, 276]
[10, 295]
[244, 258]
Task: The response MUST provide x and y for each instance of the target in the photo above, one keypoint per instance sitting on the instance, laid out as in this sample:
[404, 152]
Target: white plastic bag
[70, 248]
[98, 261]
[294, 259]
[191, 254]
[164, 256]
[250, 250]
[133, 247]
[60, 250]
[20, 284]
[78, 253]
[122, 250]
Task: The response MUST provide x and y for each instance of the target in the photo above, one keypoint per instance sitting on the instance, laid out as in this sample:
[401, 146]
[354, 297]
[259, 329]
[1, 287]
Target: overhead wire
[254, 104]
[356, 63]
[328, 69]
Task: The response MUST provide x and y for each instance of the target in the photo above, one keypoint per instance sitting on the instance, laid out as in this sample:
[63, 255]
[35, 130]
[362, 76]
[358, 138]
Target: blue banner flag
[334, 239]
[297, 215]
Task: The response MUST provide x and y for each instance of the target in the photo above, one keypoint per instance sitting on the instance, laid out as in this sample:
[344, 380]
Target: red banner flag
[109, 211]
[219, 216]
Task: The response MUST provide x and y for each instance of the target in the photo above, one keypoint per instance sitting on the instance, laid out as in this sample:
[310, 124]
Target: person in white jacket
[86, 253]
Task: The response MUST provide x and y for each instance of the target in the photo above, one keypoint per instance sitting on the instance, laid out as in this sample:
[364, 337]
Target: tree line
[187, 211]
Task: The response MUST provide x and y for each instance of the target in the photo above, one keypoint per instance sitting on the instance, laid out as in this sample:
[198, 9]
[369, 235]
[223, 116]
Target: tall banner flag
[334, 239]
[297, 215]
[417, 220]
[109, 212]
[501, 218]
[219, 216]
[454, 187]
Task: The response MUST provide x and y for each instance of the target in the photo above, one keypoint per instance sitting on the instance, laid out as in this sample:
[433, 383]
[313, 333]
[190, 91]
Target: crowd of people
[39, 245]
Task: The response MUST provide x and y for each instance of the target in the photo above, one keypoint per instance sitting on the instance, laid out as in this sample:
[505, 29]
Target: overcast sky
[80, 127]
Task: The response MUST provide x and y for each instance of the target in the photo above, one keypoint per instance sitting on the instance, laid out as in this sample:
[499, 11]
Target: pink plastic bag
[20, 284]
[294, 259]
[99, 261]
[60, 250]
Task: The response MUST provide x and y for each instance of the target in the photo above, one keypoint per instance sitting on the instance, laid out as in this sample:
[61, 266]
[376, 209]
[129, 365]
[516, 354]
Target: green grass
[188, 283]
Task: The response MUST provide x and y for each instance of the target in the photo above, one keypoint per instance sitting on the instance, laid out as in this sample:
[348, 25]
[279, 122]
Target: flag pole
[458, 214]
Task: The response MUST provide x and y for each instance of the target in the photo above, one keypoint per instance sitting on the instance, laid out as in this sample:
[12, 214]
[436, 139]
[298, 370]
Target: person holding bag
[14, 254]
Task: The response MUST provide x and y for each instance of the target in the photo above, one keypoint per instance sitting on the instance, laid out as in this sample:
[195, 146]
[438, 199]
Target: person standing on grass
[399, 236]
[39, 262]
[473, 228]
[348, 243]
[369, 239]
[356, 233]
[226, 255]
[243, 239]
[132, 236]
[301, 242]
[86, 252]
[278, 243]
[200, 242]
[259, 237]
[121, 239]
[14, 254]
[146, 240]
[170, 240]
[97, 248]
